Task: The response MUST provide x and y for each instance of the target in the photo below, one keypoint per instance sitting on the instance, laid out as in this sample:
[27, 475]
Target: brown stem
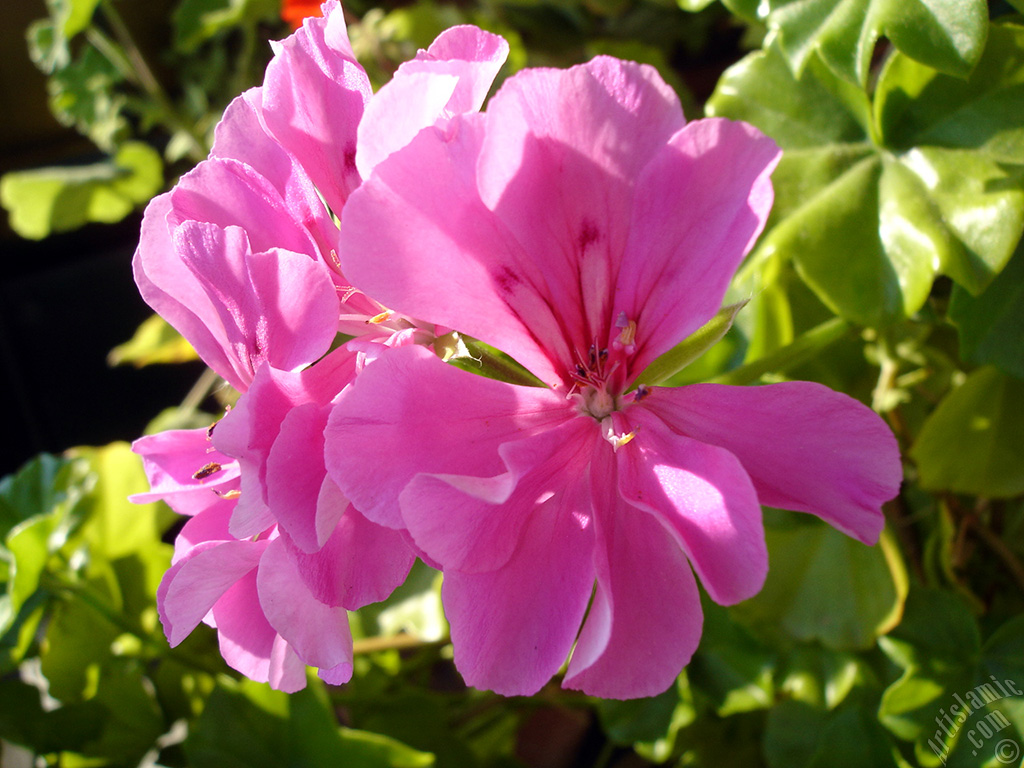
[394, 643]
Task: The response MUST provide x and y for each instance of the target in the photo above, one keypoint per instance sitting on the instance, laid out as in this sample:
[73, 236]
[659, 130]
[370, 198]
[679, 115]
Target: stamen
[206, 470]
[382, 317]
[618, 441]
[335, 260]
[627, 335]
[234, 493]
[641, 392]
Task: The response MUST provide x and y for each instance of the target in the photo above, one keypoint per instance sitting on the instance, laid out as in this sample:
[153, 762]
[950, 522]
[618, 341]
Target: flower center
[598, 402]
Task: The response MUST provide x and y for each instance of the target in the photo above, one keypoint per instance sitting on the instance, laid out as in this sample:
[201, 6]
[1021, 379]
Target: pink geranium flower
[580, 226]
[241, 258]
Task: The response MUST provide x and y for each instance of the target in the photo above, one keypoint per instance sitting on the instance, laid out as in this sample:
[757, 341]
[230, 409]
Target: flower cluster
[320, 260]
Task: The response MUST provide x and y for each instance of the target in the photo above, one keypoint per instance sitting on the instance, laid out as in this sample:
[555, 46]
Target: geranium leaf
[952, 682]
[825, 586]
[948, 35]
[154, 341]
[870, 210]
[991, 325]
[48, 200]
[983, 419]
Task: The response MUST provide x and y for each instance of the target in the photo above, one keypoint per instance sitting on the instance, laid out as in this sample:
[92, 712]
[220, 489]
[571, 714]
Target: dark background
[67, 300]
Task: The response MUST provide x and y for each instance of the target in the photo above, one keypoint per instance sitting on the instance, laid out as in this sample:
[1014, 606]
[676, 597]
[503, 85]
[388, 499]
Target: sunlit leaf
[870, 210]
[692, 347]
[50, 200]
[945, 34]
[154, 341]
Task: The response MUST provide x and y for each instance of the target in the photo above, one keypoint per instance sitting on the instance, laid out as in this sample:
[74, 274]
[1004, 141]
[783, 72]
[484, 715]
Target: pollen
[382, 317]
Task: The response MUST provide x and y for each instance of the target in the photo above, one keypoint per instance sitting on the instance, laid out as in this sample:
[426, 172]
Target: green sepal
[692, 347]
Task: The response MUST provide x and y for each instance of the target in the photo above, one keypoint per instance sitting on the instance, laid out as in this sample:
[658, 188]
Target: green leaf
[694, 5]
[83, 96]
[248, 725]
[196, 21]
[154, 341]
[634, 720]
[953, 687]
[825, 586]
[692, 347]
[72, 16]
[77, 644]
[983, 420]
[821, 677]
[44, 485]
[991, 325]
[48, 50]
[801, 736]
[51, 200]
[801, 350]
[730, 667]
[915, 105]
[948, 35]
[114, 526]
[871, 208]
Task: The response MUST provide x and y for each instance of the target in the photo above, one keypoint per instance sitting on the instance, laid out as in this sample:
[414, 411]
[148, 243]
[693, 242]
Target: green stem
[132, 65]
[199, 392]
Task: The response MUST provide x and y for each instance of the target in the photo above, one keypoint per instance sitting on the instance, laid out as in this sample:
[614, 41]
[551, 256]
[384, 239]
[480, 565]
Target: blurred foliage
[891, 269]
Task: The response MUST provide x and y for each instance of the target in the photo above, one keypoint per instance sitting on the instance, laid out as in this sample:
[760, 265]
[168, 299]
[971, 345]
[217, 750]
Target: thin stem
[199, 392]
[132, 64]
[394, 643]
[989, 539]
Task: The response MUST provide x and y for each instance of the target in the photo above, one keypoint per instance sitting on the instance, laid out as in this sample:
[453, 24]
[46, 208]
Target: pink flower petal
[242, 135]
[250, 645]
[285, 671]
[561, 155]
[171, 289]
[451, 77]
[472, 54]
[313, 97]
[417, 237]
[192, 586]
[699, 206]
[319, 633]
[295, 475]
[209, 525]
[250, 430]
[513, 628]
[483, 518]
[408, 413]
[804, 446]
[702, 494]
[397, 112]
[360, 563]
[228, 192]
[645, 618]
[173, 458]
